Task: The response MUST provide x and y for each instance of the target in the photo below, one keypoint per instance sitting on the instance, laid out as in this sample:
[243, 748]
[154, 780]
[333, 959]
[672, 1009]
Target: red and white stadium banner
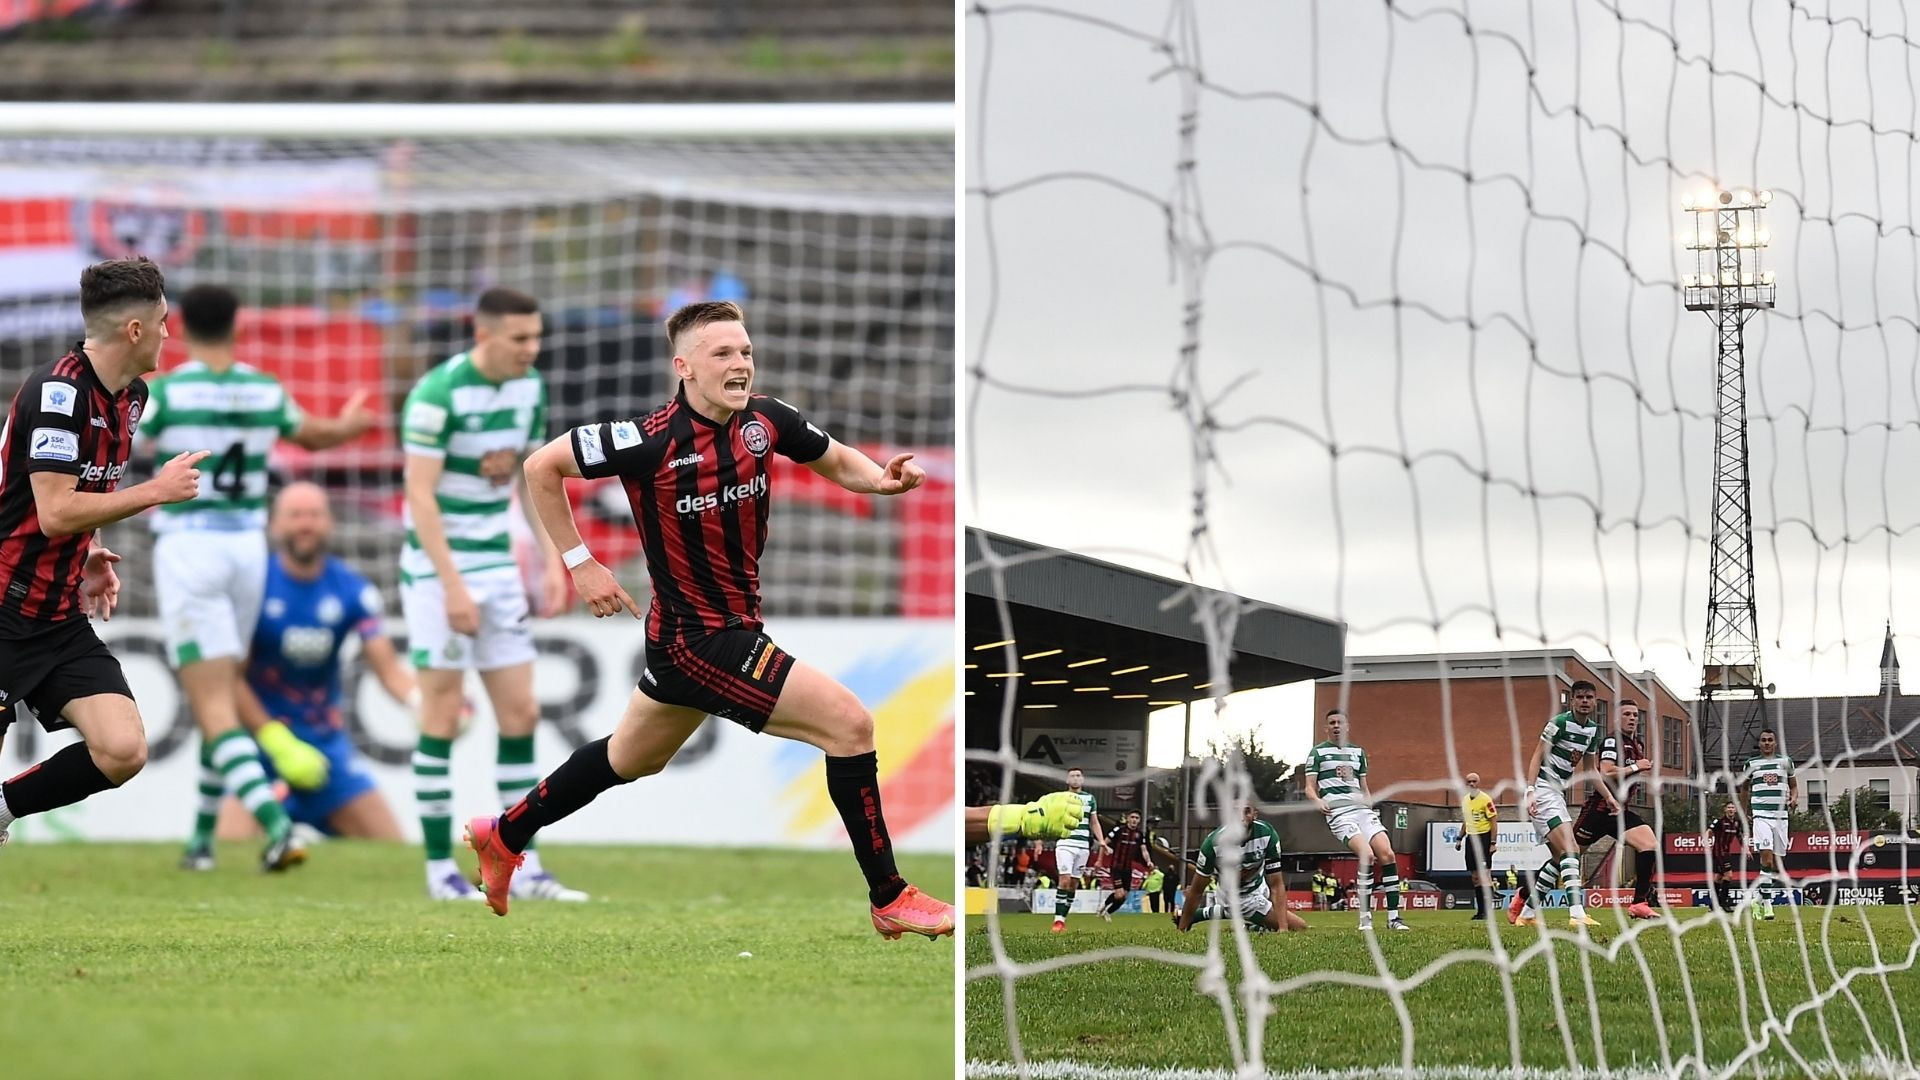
[1800, 843]
[727, 787]
[54, 221]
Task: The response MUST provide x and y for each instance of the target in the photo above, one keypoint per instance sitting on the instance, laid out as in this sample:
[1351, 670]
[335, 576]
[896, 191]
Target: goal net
[1381, 313]
[358, 255]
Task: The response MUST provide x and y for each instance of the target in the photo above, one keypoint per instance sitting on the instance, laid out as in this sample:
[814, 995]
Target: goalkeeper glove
[1049, 818]
[299, 764]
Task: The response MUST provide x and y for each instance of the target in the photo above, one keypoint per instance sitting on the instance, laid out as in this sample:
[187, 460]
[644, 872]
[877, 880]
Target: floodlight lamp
[1766, 197]
[1726, 198]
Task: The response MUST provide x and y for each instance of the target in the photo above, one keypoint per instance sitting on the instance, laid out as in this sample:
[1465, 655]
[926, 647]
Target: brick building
[1402, 708]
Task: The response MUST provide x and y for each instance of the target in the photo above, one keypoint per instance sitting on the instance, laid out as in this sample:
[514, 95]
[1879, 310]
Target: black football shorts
[1595, 822]
[734, 673]
[61, 663]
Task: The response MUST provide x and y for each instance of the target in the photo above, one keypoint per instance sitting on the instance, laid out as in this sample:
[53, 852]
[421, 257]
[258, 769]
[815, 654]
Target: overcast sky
[1584, 381]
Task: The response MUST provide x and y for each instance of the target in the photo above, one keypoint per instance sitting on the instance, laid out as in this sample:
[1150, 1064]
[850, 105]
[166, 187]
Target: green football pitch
[115, 964]
[1128, 1015]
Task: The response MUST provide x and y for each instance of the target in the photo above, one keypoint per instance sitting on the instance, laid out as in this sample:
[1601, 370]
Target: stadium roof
[1095, 638]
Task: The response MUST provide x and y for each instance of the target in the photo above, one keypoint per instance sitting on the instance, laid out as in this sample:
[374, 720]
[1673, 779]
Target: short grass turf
[1129, 1012]
[114, 963]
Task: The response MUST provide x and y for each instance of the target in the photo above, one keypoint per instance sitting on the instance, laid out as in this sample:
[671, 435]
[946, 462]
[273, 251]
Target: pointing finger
[191, 457]
[631, 606]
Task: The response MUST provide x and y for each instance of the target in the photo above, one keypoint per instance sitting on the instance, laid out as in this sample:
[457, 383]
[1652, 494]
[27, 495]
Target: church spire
[1889, 665]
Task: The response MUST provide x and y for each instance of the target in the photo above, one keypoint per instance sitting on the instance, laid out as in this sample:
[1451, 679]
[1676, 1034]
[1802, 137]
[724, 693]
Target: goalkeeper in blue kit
[313, 604]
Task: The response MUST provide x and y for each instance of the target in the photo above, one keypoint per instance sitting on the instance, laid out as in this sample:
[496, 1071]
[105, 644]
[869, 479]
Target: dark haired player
[466, 424]
[1129, 843]
[1074, 853]
[1772, 792]
[1262, 886]
[696, 472]
[1561, 759]
[62, 452]
[1724, 835]
[1623, 760]
[210, 561]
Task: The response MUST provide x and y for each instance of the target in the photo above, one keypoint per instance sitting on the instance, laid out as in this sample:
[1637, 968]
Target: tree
[1870, 805]
[1271, 774]
[1680, 809]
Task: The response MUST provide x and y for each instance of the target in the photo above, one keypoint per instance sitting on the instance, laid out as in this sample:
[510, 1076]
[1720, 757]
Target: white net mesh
[1386, 302]
[359, 258]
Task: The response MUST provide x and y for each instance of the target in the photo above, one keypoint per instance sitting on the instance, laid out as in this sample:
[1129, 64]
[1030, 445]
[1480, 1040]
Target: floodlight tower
[1730, 283]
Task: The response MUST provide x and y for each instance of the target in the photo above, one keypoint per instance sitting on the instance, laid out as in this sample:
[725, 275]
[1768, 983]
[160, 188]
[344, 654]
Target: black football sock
[578, 781]
[61, 780]
[853, 783]
[1643, 877]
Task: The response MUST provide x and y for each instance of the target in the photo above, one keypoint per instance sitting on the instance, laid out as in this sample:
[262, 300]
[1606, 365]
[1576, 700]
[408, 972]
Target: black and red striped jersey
[1129, 848]
[1619, 750]
[63, 420]
[701, 500]
[1726, 832]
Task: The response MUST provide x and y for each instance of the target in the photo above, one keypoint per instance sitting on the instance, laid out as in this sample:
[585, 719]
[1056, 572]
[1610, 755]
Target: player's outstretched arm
[383, 660]
[857, 472]
[547, 471]
[326, 432]
[1596, 773]
[553, 581]
[1190, 900]
[1048, 818]
[1532, 774]
[64, 510]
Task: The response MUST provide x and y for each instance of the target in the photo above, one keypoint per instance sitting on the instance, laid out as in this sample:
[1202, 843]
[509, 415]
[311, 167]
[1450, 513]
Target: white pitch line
[1074, 1070]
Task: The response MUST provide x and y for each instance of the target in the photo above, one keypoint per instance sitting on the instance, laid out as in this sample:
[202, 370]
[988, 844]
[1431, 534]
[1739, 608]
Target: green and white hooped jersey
[237, 414]
[456, 414]
[1082, 833]
[1568, 740]
[1337, 771]
[1259, 854]
[1768, 777]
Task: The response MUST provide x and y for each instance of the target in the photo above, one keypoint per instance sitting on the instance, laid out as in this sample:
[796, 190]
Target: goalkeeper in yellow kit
[1048, 818]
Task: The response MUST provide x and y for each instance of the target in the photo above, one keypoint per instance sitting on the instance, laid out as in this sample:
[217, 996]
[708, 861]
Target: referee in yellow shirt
[1480, 815]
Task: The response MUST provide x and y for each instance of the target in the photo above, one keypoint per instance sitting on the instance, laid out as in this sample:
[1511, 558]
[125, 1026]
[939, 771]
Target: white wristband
[575, 556]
